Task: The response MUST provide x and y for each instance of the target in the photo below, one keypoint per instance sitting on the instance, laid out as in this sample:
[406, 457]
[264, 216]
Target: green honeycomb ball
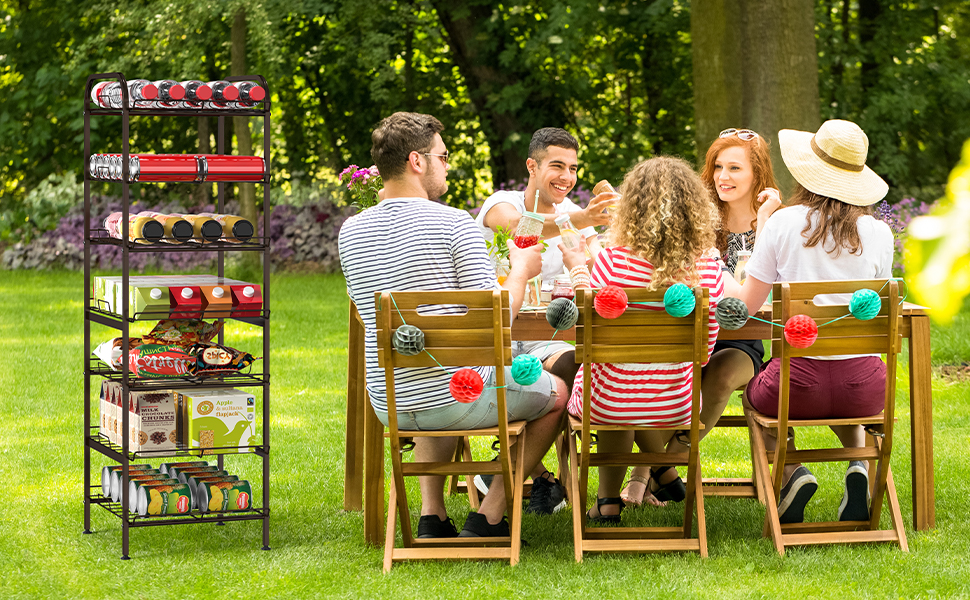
[865, 304]
[679, 300]
[731, 313]
[526, 369]
[562, 313]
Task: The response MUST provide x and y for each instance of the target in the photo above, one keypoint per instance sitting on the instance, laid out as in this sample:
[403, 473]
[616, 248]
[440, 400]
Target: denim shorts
[541, 349]
[524, 403]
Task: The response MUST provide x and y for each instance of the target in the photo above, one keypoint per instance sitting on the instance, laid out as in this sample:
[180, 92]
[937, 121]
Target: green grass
[318, 550]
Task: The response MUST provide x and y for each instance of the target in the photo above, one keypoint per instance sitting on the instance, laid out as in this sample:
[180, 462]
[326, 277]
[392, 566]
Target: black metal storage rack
[93, 367]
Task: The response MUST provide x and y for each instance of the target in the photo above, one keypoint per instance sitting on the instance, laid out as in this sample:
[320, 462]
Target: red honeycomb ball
[801, 331]
[466, 385]
[610, 302]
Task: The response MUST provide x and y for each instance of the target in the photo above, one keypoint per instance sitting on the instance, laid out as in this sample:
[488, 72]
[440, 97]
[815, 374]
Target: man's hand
[593, 214]
[527, 261]
[573, 257]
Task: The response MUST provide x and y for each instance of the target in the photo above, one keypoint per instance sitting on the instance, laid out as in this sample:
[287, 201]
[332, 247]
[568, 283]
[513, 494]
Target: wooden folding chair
[844, 336]
[480, 336]
[638, 336]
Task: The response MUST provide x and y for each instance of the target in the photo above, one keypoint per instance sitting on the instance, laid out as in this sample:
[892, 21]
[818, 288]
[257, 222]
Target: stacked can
[195, 168]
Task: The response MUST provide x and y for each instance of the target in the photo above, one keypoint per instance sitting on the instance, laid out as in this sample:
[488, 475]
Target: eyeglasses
[443, 157]
[745, 134]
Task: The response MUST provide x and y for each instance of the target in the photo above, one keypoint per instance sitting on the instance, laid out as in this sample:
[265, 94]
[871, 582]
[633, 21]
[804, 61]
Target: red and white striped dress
[648, 394]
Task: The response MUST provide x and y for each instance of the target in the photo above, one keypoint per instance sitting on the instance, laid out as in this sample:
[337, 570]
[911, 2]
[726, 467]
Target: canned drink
[164, 499]
[133, 486]
[225, 496]
[116, 480]
[183, 474]
[164, 467]
[106, 476]
[193, 479]
[200, 481]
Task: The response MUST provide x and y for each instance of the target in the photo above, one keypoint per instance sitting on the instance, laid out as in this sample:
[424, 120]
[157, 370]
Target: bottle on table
[562, 288]
[741, 267]
[571, 238]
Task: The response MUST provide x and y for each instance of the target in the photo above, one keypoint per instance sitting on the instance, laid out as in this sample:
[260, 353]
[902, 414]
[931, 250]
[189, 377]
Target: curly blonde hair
[666, 217]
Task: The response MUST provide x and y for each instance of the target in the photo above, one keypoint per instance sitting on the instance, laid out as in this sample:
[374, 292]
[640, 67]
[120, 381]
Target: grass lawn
[318, 550]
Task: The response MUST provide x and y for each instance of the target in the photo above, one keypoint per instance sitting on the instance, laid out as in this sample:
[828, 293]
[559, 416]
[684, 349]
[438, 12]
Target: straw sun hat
[832, 162]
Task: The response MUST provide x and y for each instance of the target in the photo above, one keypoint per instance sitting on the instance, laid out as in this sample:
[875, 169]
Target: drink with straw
[529, 230]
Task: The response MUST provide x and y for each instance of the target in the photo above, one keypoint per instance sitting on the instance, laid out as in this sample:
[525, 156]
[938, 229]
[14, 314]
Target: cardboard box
[215, 418]
[151, 418]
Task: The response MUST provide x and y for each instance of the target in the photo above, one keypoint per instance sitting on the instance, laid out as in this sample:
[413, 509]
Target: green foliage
[900, 71]
[42, 208]
[938, 248]
[498, 245]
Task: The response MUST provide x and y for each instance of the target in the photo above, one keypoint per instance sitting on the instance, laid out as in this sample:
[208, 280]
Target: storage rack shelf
[95, 313]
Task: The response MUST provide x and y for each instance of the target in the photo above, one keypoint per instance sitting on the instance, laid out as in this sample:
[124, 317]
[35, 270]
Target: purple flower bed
[300, 237]
[898, 217]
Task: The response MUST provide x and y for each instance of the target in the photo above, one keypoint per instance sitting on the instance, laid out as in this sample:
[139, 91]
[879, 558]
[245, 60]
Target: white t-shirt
[781, 255]
[551, 257]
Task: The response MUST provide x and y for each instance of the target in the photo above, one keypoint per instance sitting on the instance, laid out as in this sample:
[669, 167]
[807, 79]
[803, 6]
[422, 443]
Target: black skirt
[753, 348]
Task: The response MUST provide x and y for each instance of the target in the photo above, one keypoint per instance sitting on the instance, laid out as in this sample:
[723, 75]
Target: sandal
[673, 491]
[628, 498]
[602, 519]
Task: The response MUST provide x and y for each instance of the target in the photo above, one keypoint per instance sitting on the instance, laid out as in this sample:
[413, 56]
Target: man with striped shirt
[409, 242]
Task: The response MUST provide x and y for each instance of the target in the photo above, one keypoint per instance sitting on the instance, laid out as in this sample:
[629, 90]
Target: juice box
[219, 418]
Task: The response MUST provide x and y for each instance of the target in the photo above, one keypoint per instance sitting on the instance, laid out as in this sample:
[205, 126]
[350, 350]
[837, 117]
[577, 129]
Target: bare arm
[754, 292]
[524, 264]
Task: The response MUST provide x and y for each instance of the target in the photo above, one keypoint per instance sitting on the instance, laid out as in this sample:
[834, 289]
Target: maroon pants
[823, 389]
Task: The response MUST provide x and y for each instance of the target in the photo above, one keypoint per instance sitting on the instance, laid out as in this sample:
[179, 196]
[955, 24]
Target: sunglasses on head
[745, 134]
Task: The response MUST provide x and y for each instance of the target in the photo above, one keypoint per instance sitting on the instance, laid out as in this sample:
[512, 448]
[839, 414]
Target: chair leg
[896, 516]
[763, 473]
[701, 519]
[562, 455]
[578, 499]
[465, 447]
[518, 478]
[391, 530]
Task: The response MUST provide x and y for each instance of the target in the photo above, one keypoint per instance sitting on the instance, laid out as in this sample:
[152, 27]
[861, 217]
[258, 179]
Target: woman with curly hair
[661, 234]
[738, 175]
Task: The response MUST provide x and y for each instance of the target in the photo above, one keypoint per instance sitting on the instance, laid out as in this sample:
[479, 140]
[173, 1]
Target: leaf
[938, 249]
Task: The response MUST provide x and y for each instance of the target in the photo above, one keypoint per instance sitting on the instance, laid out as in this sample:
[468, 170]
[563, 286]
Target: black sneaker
[548, 496]
[430, 526]
[476, 525]
[795, 495]
[855, 500]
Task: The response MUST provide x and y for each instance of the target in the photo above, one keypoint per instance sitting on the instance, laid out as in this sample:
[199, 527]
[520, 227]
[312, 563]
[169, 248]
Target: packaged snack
[213, 359]
[154, 361]
[110, 351]
[172, 332]
[222, 418]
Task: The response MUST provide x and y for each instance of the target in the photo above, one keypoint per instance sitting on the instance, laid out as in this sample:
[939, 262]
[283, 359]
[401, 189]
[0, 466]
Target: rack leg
[124, 536]
[87, 488]
[220, 460]
[266, 502]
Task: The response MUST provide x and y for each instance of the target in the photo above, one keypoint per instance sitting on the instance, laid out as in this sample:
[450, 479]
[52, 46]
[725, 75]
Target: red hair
[760, 158]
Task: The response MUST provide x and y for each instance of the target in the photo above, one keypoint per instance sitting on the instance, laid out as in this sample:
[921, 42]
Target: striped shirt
[411, 244]
[648, 394]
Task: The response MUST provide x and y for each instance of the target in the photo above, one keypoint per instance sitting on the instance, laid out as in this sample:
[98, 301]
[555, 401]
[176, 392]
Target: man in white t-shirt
[552, 166]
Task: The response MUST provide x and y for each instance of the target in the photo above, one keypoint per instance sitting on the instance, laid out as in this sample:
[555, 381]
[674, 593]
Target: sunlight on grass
[318, 549]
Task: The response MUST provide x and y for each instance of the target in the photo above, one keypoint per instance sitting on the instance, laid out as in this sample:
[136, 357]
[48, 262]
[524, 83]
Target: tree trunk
[755, 66]
[869, 13]
[507, 133]
[244, 144]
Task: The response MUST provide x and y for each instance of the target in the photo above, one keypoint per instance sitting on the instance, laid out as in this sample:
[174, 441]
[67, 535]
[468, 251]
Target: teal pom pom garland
[865, 304]
[679, 300]
[526, 369]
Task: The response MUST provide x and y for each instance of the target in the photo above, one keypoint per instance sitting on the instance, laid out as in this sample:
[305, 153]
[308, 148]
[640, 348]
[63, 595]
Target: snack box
[151, 418]
[215, 418]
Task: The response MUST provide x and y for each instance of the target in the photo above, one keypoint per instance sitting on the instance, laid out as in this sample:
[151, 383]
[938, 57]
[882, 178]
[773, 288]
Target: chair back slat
[452, 339]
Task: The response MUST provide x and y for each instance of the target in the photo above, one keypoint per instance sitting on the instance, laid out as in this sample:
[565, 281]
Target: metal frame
[95, 368]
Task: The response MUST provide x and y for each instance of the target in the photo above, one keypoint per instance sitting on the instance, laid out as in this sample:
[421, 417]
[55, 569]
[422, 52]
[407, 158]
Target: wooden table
[364, 480]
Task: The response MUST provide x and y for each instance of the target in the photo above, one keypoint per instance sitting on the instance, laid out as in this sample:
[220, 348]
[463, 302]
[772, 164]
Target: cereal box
[219, 418]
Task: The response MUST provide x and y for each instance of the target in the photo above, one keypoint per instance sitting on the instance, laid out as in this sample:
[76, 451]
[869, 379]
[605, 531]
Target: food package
[215, 418]
[213, 360]
[181, 332]
[155, 361]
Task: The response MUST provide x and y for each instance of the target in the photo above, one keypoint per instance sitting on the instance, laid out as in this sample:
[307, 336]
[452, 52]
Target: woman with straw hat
[826, 233]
